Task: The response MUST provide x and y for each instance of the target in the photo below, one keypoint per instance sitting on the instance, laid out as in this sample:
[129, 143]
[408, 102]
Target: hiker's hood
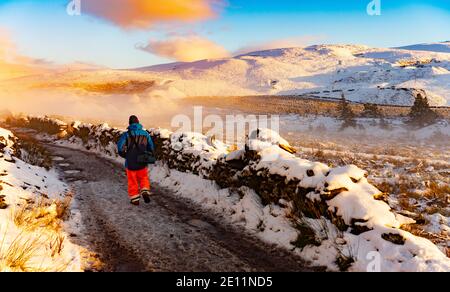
[135, 127]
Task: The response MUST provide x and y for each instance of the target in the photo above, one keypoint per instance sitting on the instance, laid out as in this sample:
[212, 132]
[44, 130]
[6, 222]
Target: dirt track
[169, 234]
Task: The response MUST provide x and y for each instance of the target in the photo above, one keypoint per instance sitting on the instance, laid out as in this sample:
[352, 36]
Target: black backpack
[144, 158]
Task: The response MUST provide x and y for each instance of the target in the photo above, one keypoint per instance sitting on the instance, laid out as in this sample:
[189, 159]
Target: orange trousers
[137, 180]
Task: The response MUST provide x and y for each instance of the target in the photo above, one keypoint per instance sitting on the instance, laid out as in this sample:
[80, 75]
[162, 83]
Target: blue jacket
[130, 147]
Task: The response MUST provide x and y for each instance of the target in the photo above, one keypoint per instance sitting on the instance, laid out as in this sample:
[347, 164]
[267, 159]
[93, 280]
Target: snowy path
[169, 234]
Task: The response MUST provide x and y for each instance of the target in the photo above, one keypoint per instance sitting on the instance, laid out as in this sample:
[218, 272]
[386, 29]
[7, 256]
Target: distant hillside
[361, 73]
[433, 47]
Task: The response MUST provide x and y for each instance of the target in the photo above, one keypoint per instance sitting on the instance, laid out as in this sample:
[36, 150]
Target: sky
[138, 33]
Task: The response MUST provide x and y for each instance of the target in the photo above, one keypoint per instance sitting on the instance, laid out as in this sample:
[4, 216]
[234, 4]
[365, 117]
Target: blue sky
[42, 29]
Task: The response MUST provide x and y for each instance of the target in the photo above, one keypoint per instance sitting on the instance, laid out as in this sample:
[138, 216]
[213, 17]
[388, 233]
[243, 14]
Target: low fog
[158, 108]
[154, 110]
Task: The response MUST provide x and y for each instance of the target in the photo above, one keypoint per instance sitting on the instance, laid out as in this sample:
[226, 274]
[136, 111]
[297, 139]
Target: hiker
[132, 145]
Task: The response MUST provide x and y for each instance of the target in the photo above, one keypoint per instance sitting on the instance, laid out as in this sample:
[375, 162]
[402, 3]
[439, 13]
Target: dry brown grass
[44, 213]
[57, 245]
[20, 252]
[437, 196]
[386, 187]
[40, 236]
[319, 155]
[417, 230]
[438, 191]
[33, 215]
[407, 189]
[121, 87]
[63, 207]
[405, 204]
[27, 254]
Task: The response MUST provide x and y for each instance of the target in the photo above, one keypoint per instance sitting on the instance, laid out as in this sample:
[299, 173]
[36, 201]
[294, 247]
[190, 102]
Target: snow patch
[21, 182]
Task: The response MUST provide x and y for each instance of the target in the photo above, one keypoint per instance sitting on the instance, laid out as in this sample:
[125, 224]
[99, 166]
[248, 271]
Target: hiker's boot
[135, 201]
[146, 194]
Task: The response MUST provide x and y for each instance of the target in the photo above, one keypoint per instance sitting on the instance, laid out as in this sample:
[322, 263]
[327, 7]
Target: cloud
[13, 64]
[186, 49]
[8, 51]
[292, 42]
[145, 13]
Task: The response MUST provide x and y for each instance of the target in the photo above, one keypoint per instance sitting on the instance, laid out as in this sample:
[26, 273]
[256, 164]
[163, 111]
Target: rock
[354, 180]
[394, 238]
[357, 227]
[344, 262]
[3, 204]
[331, 194]
[10, 160]
[306, 237]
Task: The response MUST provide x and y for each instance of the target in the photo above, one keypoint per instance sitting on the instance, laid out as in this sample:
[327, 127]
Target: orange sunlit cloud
[186, 49]
[15, 65]
[145, 13]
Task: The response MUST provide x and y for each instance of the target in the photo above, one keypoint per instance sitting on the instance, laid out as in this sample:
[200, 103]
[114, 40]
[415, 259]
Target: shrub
[421, 114]
[346, 113]
[371, 111]
[30, 150]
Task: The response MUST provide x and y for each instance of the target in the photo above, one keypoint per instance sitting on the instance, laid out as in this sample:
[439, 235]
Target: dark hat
[133, 120]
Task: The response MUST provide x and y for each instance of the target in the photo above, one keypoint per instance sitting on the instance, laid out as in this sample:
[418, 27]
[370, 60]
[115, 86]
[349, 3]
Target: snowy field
[413, 166]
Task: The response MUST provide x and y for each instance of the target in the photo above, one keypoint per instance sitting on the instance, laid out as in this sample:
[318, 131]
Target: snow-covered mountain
[361, 73]
[432, 47]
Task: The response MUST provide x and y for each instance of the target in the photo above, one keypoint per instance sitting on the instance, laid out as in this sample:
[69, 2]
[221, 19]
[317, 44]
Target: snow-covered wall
[340, 196]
